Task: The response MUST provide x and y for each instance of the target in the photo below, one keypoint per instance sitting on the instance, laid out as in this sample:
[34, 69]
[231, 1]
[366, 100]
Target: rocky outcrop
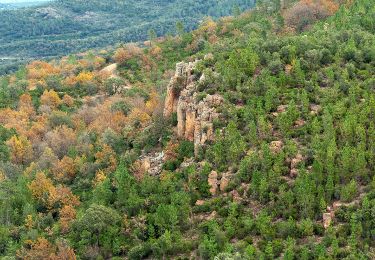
[218, 184]
[327, 219]
[276, 146]
[199, 202]
[315, 109]
[225, 180]
[212, 182]
[152, 163]
[294, 165]
[194, 118]
[182, 78]
[206, 113]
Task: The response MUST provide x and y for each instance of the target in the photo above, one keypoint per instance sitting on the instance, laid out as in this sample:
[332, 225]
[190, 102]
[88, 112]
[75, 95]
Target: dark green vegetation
[19, 4]
[312, 92]
[70, 26]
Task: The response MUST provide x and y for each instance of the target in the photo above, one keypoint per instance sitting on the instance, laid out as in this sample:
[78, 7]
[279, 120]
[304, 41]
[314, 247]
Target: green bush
[349, 191]
[185, 149]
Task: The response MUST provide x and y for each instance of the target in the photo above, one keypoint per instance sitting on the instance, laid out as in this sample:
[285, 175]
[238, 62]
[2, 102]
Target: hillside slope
[251, 137]
[70, 26]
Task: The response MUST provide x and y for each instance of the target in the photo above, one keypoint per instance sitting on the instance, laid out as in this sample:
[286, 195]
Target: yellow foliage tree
[42, 189]
[29, 222]
[41, 248]
[50, 98]
[64, 252]
[98, 62]
[106, 158]
[100, 176]
[152, 103]
[122, 55]
[84, 77]
[139, 117]
[20, 148]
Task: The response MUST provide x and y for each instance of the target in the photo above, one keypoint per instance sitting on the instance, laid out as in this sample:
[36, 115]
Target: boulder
[282, 108]
[212, 182]
[315, 109]
[236, 196]
[199, 202]
[209, 57]
[224, 182]
[327, 219]
[337, 205]
[212, 215]
[294, 165]
[110, 69]
[276, 146]
[299, 123]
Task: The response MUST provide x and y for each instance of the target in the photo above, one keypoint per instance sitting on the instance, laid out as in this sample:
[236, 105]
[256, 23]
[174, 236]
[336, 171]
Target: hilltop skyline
[20, 1]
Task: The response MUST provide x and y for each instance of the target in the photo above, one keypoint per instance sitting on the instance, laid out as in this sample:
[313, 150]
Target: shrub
[349, 191]
[186, 149]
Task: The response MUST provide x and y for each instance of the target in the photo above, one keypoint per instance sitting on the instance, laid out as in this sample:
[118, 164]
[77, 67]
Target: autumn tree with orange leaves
[305, 12]
[65, 169]
[67, 214]
[20, 148]
[41, 248]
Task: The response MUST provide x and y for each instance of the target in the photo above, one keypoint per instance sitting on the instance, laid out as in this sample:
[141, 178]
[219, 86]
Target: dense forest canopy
[259, 145]
[70, 26]
[11, 5]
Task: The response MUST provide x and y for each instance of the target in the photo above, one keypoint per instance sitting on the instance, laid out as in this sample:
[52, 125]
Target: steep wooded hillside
[251, 137]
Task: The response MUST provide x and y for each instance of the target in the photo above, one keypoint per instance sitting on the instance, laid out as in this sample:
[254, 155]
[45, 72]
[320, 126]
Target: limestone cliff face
[194, 118]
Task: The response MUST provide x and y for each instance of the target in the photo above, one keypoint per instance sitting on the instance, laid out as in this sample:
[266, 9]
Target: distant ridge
[69, 26]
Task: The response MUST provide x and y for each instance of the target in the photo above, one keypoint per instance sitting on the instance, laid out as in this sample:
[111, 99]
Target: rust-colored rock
[224, 182]
[212, 182]
[199, 202]
[236, 196]
[170, 102]
[294, 165]
[146, 164]
[327, 219]
[299, 123]
[190, 124]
